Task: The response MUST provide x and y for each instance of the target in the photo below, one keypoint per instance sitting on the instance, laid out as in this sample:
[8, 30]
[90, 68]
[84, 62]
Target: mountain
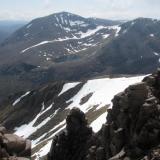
[57, 38]
[40, 114]
[8, 27]
[65, 46]
[49, 44]
[136, 50]
[131, 131]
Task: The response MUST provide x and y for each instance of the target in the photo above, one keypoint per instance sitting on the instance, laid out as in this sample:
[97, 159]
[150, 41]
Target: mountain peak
[64, 13]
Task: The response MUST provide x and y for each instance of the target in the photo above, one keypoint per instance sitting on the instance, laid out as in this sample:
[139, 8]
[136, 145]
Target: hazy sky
[111, 9]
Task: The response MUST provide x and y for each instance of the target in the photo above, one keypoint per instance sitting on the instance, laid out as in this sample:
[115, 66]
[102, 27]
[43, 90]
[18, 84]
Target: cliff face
[13, 147]
[132, 130]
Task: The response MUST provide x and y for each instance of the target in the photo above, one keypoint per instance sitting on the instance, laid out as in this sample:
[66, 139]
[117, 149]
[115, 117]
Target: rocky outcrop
[74, 143]
[13, 147]
[132, 130]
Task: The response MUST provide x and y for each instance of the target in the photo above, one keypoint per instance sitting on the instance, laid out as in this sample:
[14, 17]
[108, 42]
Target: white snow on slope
[29, 26]
[117, 28]
[45, 149]
[81, 34]
[39, 44]
[103, 91]
[68, 86]
[106, 36]
[37, 141]
[90, 32]
[27, 129]
[47, 42]
[19, 99]
[75, 23]
[133, 23]
[96, 125]
[104, 95]
[156, 54]
[26, 34]
[151, 35]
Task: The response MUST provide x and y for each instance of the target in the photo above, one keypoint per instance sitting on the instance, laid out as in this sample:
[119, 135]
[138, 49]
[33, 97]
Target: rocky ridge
[132, 130]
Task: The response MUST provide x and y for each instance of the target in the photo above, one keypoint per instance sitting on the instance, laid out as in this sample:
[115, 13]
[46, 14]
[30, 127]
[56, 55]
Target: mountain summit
[58, 37]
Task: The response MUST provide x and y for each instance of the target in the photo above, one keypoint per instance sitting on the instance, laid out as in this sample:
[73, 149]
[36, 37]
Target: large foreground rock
[132, 130]
[74, 143]
[13, 147]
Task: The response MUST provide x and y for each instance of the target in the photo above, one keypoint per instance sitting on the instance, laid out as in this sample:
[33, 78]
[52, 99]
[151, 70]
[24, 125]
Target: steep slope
[136, 50]
[132, 129]
[40, 114]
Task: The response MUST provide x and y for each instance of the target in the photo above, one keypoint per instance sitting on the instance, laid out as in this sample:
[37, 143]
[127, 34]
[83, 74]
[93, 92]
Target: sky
[108, 9]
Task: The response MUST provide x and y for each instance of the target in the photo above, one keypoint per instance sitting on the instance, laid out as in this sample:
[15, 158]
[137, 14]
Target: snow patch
[132, 23]
[39, 44]
[43, 151]
[36, 141]
[96, 124]
[90, 32]
[81, 34]
[19, 99]
[106, 36]
[156, 54]
[27, 129]
[26, 34]
[48, 59]
[67, 29]
[151, 35]
[118, 29]
[75, 23]
[29, 26]
[68, 86]
[103, 91]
